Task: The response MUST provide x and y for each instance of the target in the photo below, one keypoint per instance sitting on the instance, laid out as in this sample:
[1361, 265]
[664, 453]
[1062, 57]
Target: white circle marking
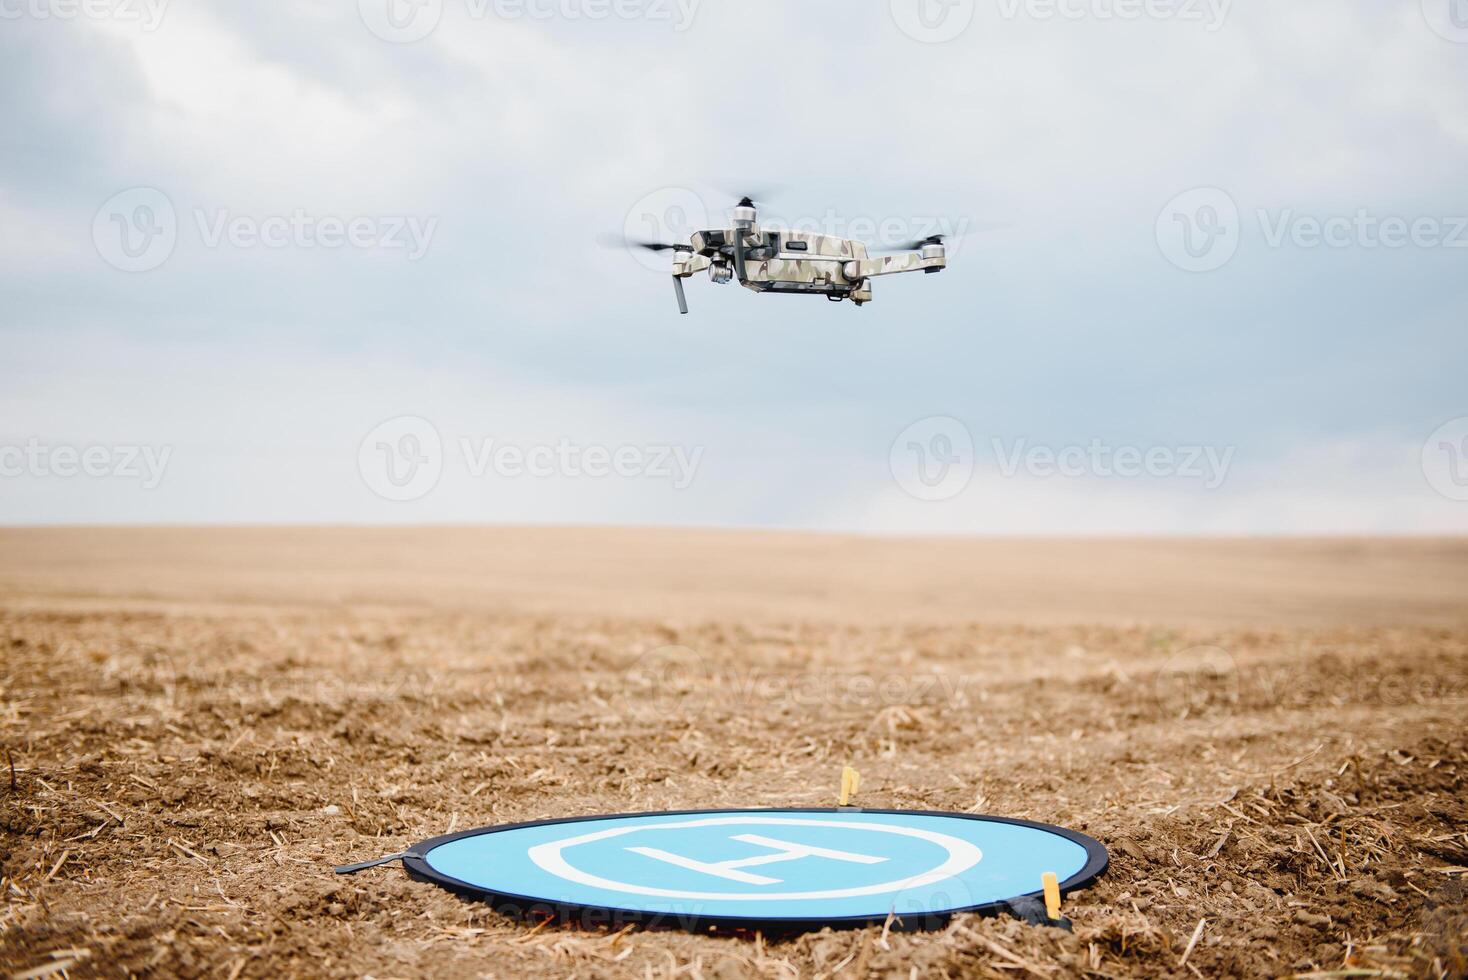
[962, 855]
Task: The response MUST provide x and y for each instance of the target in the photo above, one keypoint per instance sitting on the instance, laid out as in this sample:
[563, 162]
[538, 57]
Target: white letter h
[784, 851]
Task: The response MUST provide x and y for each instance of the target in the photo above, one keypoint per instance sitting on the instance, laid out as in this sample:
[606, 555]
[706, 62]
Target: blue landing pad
[771, 869]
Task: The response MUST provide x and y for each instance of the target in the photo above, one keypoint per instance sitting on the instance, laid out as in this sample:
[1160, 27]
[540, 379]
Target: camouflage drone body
[772, 260]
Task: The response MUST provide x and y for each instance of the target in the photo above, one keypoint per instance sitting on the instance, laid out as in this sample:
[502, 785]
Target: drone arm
[739, 256]
[744, 224]
[686, 264]
[891, 265]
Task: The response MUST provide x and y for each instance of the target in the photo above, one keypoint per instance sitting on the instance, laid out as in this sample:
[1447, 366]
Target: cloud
[521, 138]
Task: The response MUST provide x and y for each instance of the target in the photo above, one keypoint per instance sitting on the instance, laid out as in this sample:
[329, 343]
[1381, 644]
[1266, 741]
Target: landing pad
[768, 869]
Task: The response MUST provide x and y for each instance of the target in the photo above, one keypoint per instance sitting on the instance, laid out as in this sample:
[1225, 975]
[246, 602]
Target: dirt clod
[187, 772]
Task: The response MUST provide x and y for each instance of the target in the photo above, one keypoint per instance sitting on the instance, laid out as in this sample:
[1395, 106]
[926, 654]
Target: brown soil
[1268, 736]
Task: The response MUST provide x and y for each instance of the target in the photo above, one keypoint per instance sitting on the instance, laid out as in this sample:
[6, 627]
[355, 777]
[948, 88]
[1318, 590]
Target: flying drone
[777, 260]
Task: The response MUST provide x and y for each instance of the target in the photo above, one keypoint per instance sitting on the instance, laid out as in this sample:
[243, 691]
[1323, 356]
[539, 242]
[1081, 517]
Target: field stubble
[1276, 800]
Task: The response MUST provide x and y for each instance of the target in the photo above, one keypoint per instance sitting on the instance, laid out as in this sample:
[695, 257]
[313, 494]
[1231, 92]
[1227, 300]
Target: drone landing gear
[682, 299]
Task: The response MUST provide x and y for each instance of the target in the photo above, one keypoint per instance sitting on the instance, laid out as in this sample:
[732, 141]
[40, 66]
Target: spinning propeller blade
[617, 241]
[912, 246]
[660, 246]
[749, 196]
[965, 230]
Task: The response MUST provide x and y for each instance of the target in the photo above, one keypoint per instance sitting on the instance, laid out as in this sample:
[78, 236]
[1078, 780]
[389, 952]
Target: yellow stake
[850, 782]
[1052, 895]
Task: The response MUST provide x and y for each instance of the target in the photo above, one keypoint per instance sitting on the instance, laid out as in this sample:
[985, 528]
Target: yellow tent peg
[1052, 895]
[850, 783]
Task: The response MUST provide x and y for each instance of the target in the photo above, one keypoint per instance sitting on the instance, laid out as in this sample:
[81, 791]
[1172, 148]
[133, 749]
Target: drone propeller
[620, 241]
[912, 246]
[748, 196]
[617, 241]
[661, 246]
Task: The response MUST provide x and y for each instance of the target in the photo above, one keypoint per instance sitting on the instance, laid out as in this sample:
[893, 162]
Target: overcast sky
[338, 262]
